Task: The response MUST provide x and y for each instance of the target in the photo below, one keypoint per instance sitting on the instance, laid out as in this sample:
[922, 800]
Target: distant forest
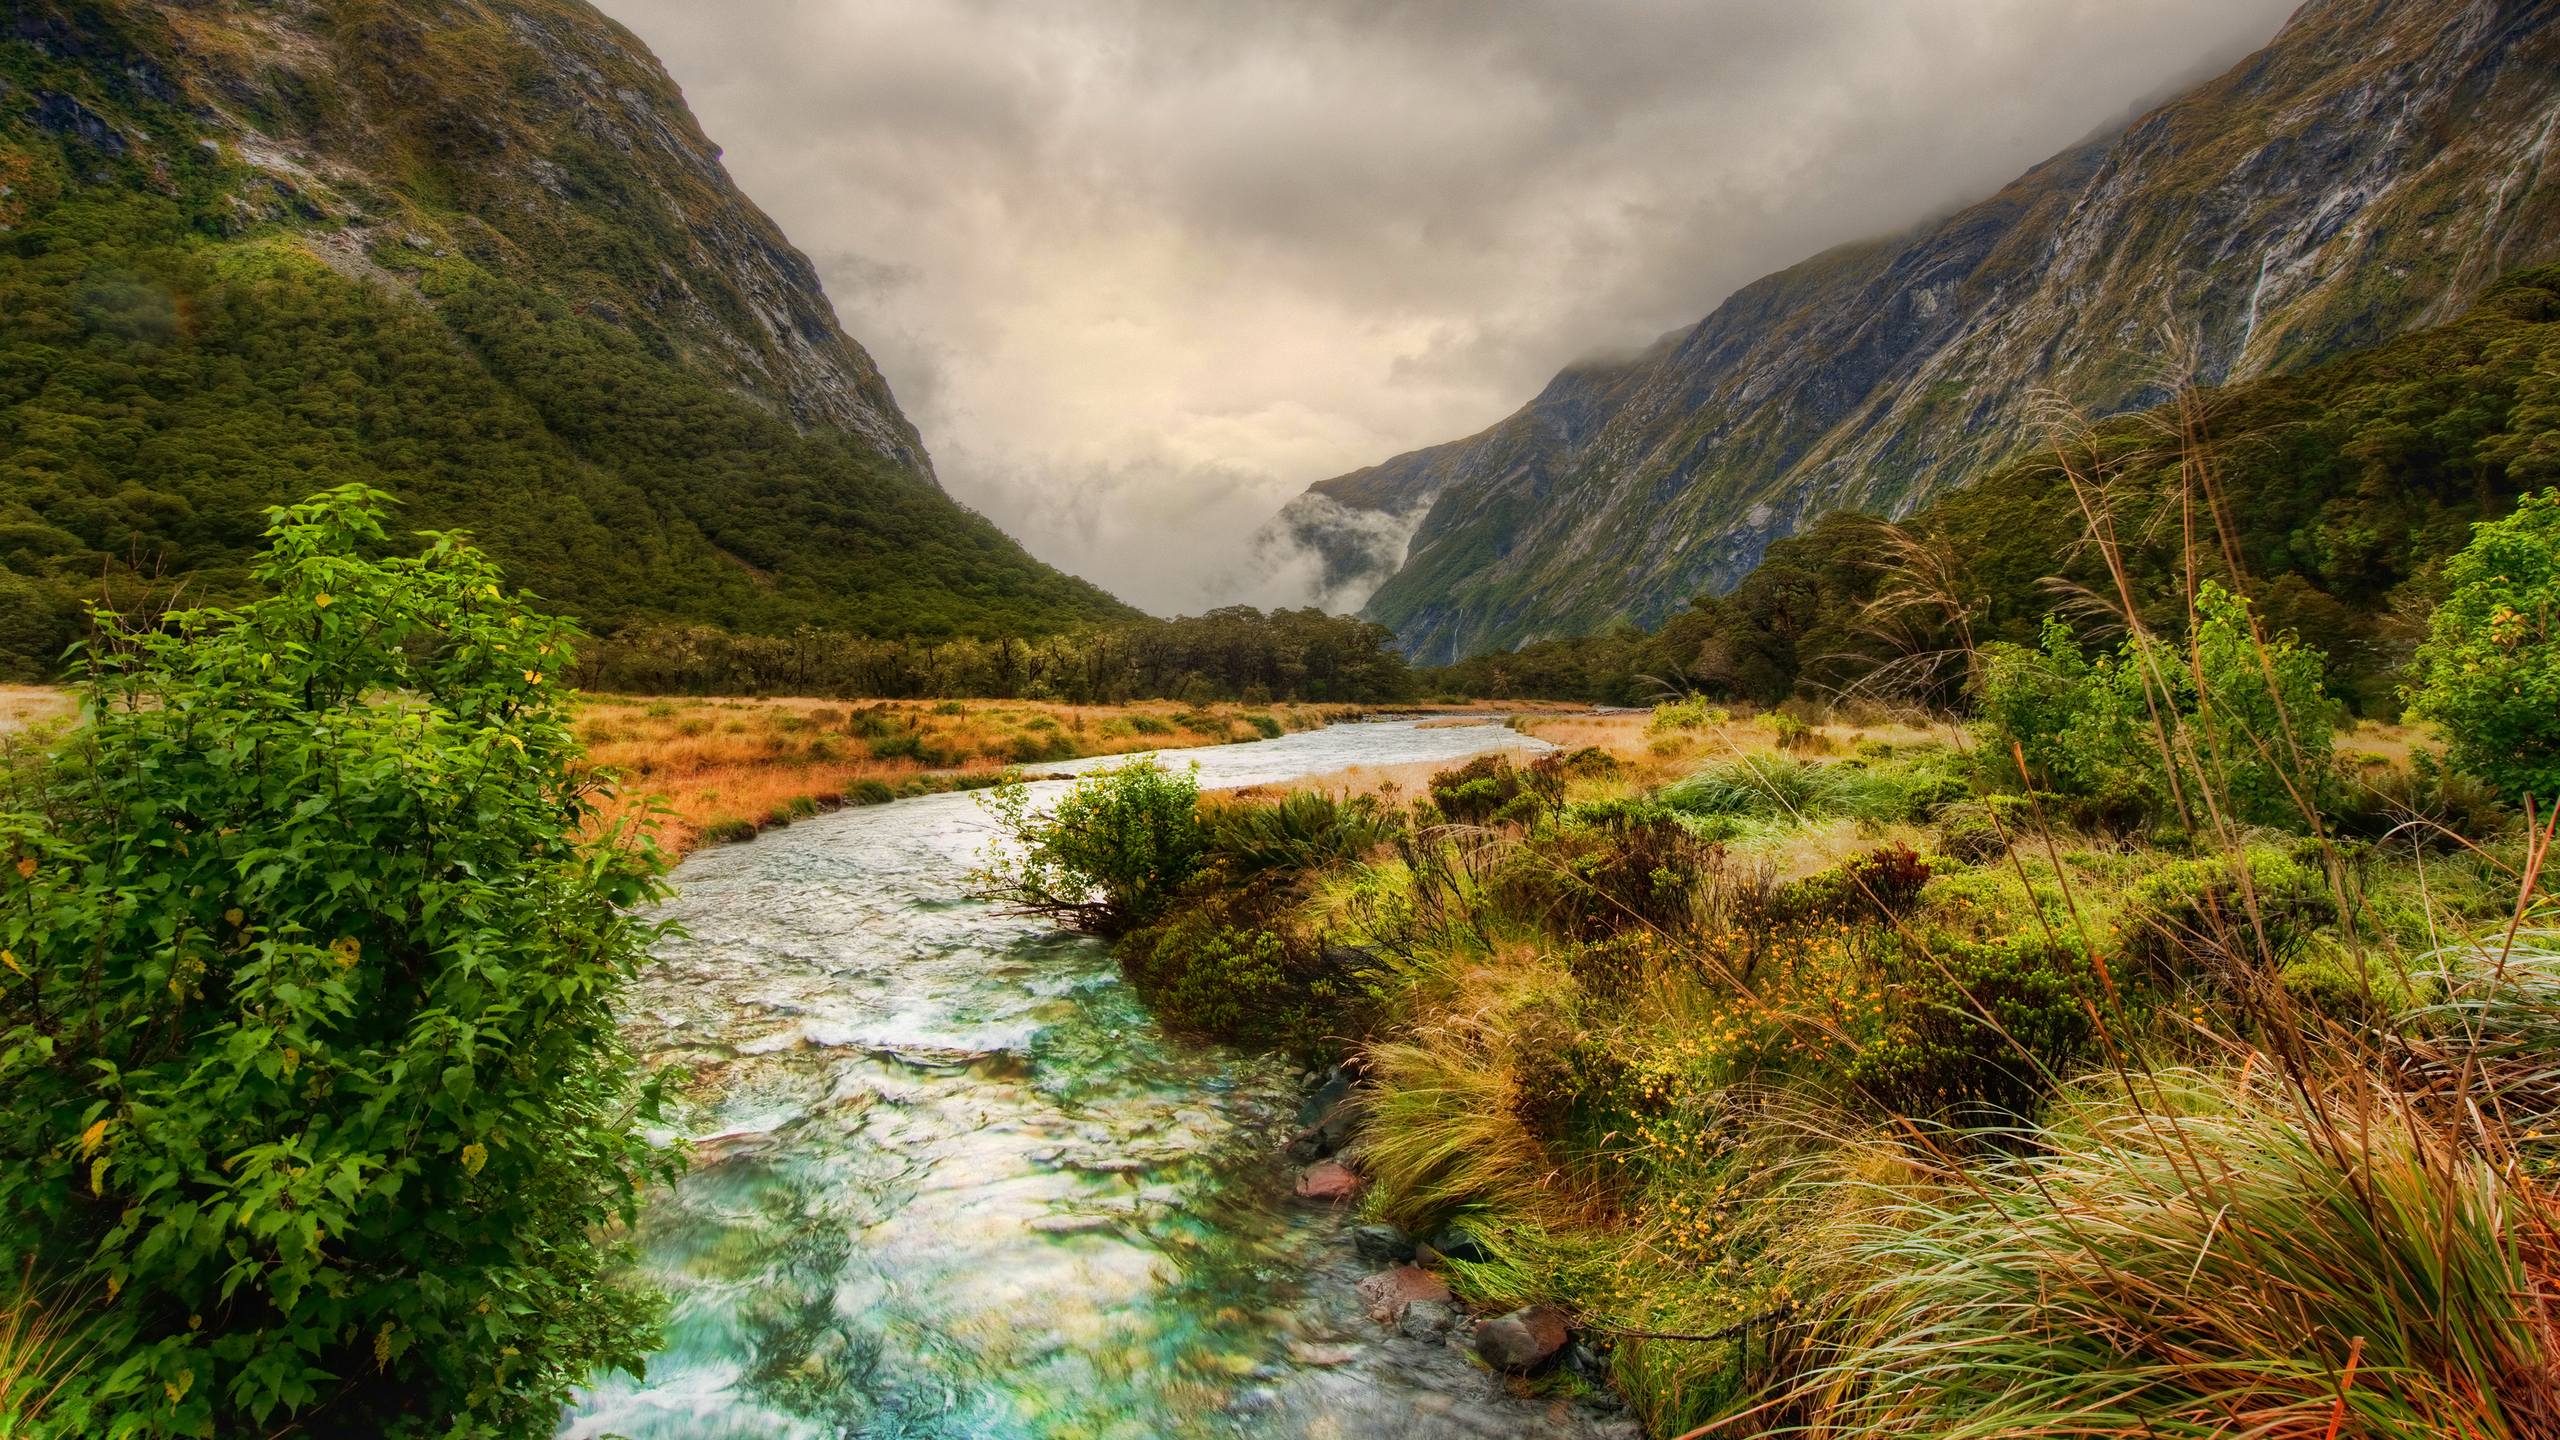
[1238, 653]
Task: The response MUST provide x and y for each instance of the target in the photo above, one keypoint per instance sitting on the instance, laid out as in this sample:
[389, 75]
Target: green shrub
[1036, 749]
[1108, 858]
[2094, 730]
[1149, 725]
[1693, 713]
[1490, 788]
[1976, 1028]
[1213, 970]
[2192, 915]
[1618, 869]
[1266, 726]
[872, 792]
[313, 1078]
[727, 832]
[1982, 829]
[2489, 674]
[897, 745]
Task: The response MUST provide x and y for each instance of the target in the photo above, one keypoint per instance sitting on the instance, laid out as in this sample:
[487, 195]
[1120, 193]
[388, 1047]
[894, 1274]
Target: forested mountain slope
[2340, 490]
[2372, 169]
[476, 253]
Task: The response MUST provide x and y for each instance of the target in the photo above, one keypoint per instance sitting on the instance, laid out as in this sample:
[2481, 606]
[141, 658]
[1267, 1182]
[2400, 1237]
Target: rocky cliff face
[535, 136]
[2370, 170]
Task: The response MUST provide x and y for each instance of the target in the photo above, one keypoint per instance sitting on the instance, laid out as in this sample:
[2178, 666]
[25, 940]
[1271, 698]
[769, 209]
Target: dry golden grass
[724, 768]
[25, 705]
[1653, 757]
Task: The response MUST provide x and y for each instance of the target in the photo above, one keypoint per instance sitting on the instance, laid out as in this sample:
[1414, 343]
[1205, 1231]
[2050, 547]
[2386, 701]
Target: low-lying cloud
[1142, 269]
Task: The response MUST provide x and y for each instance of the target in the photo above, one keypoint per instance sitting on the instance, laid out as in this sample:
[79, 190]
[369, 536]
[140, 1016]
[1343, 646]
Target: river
[951, 1181]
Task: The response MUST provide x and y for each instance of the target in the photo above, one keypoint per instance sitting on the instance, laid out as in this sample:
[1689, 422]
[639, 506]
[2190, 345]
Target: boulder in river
[1384, 1244]
[1326, 1120]
[1328, 1180]
[1386, 1294]
[1456, 1244]
[1427, 1319]
[1523, 1340]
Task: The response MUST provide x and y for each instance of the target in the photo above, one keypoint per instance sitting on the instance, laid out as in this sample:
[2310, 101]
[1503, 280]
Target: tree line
[1235, 653]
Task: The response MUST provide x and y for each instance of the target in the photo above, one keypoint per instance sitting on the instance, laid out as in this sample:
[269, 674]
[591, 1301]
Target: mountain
[2372, 169]
[474, 252]
[2332, 496]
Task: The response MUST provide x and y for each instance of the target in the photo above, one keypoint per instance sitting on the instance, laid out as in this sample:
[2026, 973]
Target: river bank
[1783, 1064]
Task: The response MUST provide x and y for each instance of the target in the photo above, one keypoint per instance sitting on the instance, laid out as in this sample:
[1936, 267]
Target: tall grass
[41, 1346]
[2201, 1255]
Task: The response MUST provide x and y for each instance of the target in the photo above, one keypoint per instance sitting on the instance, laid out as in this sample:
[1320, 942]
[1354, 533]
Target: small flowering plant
[308, 1071]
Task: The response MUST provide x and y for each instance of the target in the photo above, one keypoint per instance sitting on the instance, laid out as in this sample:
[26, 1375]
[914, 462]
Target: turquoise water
[951, 1181]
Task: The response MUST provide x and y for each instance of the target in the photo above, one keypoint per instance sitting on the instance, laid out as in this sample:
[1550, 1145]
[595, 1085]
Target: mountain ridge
[2342, 162]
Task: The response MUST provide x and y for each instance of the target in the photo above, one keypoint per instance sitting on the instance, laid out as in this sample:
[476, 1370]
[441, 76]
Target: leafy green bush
[1108, 858]
[1490, 788]
[1215, 969]
[1035, 748]
[1617, 869]
[312, 1074]
[2197, 914]
[1693, 713]
[1976, 1025]
[2489, 674]
[1266, 726]
[2131, 734]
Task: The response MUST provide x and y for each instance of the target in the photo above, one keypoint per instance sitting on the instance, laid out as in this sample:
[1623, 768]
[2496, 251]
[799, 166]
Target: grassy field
[721, 769]
[25, 705]
[725, 768]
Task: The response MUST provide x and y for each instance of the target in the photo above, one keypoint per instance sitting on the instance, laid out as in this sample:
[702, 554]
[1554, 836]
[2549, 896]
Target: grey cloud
[1141, 269]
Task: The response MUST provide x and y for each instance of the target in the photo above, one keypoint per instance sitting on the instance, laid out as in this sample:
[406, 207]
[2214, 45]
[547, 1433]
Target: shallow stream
[951, 1181]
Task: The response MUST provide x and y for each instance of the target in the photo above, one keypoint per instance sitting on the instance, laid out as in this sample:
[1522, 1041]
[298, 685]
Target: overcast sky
[1142, 269]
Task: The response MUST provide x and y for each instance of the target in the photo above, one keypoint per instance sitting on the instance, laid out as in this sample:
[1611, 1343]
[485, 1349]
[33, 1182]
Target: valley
[1959, 848]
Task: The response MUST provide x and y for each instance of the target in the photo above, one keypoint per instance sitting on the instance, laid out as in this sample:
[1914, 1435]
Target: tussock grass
[2204, 1254]
[42, 1345]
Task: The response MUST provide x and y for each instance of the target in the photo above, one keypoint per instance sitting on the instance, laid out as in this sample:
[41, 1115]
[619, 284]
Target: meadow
[723, 769]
